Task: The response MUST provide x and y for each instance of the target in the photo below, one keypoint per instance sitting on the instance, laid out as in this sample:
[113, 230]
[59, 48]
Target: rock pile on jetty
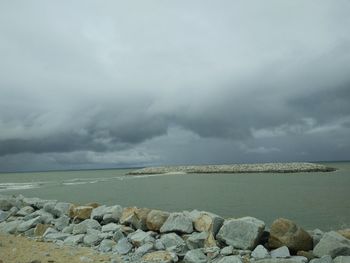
[147, 236]
[237, 168]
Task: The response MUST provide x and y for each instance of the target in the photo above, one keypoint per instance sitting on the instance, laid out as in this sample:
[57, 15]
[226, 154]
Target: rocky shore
[143, 235]
[237, 168]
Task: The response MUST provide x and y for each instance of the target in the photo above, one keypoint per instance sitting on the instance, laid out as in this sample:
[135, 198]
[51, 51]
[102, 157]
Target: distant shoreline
[295, 167]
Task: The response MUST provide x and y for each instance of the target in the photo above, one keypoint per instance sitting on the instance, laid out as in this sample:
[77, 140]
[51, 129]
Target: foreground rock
[333, 244]
[242, 233]
[285, 232]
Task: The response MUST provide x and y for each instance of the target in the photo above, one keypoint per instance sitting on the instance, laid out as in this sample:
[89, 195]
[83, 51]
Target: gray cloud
[86, 84]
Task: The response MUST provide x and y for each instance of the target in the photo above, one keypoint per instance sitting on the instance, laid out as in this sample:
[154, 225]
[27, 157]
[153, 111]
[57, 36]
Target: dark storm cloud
[88, 83]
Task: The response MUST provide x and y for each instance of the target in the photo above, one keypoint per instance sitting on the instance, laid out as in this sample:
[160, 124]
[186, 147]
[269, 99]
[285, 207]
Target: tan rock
[208, 222]
[81, 212]
[345, 232]
[285, 232]
[135, 217]
[155, 219]
[210, 241]
[93, 204]
[40, 229]
[159, 257]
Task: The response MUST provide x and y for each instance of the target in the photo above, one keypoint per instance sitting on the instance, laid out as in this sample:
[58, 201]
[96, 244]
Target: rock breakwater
[143, 235]
[295, 167]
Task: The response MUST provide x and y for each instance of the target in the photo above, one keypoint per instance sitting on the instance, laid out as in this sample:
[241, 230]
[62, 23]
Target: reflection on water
[311, 199]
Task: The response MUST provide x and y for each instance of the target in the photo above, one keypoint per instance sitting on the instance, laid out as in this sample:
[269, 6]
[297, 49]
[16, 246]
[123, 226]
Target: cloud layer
[87, 84]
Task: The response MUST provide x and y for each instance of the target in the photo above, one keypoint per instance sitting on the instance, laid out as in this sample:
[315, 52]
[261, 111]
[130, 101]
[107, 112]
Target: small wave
[19, 186]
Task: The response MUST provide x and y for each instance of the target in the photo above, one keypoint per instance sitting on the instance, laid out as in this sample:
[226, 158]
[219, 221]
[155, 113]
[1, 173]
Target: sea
[313, 200]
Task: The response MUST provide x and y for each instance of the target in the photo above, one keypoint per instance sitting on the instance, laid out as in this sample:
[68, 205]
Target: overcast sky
[94, 84]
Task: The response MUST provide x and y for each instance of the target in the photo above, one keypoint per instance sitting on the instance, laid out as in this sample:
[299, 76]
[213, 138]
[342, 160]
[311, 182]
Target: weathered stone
[160, 257]
[106, 245]
[135, 217]
[6, 203]
[45, 217]
[111, 227]
[74, 240]
[3, 216]
[118, 234]
[333, 244]
[345, 232]
[34, 202]
[92, 238]
[155, 219]
[29, 232]
[178, 222]
[26, 210]
[324, 259]
[211, 252]
[24, 226]
[281, 252]
[316, 235]
[285, 232]
[56, 236]
[10, 227]
[82, 227]
[243, 233]
[230, 259]
[195, 256]
[123, 246]
[81, 212]
[196, 240]
[68, 229]
[226, 251]
[172, 242]
[145, 248]
[62, 208]
[206, 221]
[113, 214]
[49, 230]
[342, 259]
[260, 252]
[98, 213]
[40, 229]
[61, 222]
[308, 254]
[139, 238]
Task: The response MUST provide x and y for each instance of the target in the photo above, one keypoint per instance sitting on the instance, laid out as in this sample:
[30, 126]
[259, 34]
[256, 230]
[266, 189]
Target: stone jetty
[143, 235]
[295, 167]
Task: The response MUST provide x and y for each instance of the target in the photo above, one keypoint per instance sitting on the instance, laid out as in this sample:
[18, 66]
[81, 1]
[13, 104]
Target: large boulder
[333, 244]
[172, 242]
[178, 222]
[135, 217]
[206, 222]
[83, 227]
[285, 232]
[26, 210]
[196, 240]
[123, 246]
[139, 238]
[160, 257]
[80, 212]
[342, 259]
[155, 219]
[24, 226]
[113, 214]
[242, 233]
[345, 232]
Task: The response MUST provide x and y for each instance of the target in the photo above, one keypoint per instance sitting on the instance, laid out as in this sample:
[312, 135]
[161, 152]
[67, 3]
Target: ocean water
[314, 200]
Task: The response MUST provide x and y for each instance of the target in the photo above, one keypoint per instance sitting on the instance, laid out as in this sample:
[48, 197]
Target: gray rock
[118, 235]
[158, 245]
[92, 238]
[226, 251]
[196, 240]
[206, 221]
[111, 227]
[123, 246]
[56, 236]
[74, 240]
[230, 259]
[3, 216]
[45, 217]
[243, 233]
[333, 244]
[260, 252]
[26, 210]
[6, 203]
[82, 227]
[145, 248]
[195, 256]
[139, 238]
[29, 232]
[49, 230]
[98, 212]
[61, 222]
[34, 202]
[113, 214]
[10, 227]
[178, 222]
[106, 245]
[342, 259]
[281, 252]
[24, 226]
[61, 209]
[211, 252]
[172, 242]
[316, 235]
[68, 229]
[324, 259]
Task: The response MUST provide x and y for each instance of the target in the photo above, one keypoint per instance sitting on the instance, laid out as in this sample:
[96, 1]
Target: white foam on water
[19, 186]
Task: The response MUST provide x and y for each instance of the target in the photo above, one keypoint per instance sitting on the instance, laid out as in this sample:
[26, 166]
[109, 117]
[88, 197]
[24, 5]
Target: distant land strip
[294, 167]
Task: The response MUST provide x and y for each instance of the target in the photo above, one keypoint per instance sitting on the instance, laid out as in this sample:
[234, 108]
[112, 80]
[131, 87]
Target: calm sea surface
[314, 200]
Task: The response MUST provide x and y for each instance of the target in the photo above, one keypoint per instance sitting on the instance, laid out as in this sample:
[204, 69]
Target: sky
[100, 84]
